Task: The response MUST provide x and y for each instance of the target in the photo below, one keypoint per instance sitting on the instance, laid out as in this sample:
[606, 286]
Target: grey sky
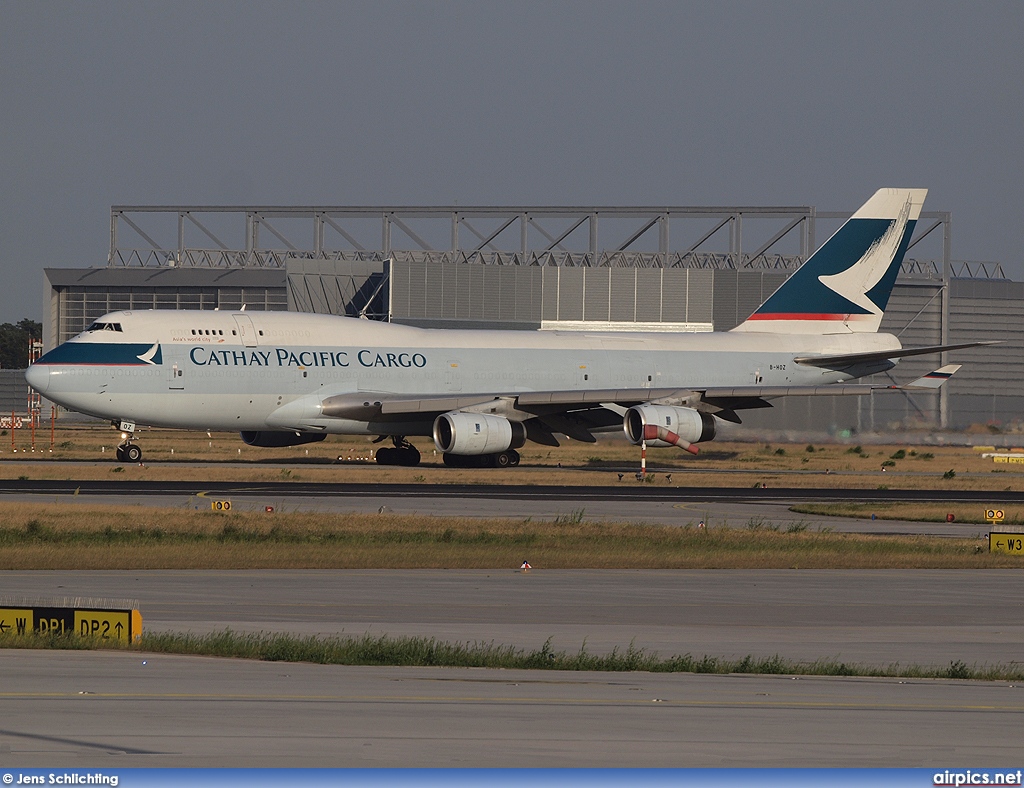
[521, 102]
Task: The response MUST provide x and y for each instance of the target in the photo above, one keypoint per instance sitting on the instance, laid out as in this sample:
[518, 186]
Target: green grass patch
[382, 650]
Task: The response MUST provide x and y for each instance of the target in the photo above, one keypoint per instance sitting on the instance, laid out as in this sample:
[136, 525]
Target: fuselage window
[193, 332]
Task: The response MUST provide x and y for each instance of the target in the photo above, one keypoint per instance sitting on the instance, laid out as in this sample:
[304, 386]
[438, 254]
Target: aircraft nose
[38, 377]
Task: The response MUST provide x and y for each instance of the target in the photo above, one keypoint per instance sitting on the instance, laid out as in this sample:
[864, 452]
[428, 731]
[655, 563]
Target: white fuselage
[270, 370]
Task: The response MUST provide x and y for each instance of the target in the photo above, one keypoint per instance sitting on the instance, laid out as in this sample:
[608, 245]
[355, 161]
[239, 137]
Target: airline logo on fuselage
[284, 357]
[104, 354]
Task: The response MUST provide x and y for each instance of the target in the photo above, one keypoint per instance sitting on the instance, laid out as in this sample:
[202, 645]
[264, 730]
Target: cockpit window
[104, 327]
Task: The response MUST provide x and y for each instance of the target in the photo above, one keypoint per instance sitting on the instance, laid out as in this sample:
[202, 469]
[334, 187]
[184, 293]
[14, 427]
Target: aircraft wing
[363, 403]
[723, 401]
[849, 359]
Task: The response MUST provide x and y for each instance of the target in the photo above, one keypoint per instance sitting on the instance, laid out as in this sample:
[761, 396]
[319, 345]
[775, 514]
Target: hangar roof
[166, 277]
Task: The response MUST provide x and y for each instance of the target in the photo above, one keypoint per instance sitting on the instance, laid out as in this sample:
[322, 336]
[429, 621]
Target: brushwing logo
[151, 356]
[858, 280]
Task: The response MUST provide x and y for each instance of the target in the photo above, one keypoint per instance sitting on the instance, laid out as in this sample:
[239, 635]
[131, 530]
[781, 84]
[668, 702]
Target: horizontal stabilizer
[849, 359]
[932, 380]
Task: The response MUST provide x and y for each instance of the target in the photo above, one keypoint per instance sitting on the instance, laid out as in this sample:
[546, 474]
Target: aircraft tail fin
[845, 285]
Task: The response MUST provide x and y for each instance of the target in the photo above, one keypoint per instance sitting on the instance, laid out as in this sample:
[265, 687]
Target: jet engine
[664, 425]
[461, 432]
[275, 439]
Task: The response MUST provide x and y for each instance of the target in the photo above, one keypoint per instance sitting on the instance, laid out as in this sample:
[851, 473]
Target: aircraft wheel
[120, 454]
[514, 456]
[409, 457]
[386, 457]
[132, 453]
[502, 459]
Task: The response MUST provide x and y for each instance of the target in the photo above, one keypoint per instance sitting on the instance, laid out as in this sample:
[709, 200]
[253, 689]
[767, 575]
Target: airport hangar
[527, 267]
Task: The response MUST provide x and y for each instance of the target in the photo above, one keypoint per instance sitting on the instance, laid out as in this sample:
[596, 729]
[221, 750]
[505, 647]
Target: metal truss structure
[634, 237]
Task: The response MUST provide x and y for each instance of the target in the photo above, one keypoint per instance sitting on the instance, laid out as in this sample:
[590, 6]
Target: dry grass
[171, 455]
[1013, 514]
[57, 536]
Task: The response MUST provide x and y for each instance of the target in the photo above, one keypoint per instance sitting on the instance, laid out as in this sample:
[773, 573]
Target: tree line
[14, 338]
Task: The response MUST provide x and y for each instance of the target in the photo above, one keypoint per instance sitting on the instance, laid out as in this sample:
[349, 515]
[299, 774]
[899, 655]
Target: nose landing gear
[129, 452]
[126, 450]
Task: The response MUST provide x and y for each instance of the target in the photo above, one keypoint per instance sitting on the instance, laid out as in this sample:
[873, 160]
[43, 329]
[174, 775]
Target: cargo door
[175, 377]
[246, 330]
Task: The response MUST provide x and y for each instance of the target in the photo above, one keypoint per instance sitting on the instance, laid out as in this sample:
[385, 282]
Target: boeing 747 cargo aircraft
[283, 379]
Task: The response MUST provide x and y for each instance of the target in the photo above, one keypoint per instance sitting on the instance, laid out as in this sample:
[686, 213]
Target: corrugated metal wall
[993, 389]
[437, 293]
[990, 387]
[13, 391]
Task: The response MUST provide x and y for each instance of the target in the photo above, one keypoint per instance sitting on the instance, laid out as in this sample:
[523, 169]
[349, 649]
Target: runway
[628, 491]
[669, 506]
[96, 709]
[928, 617]
[117, 710]
[107, 709]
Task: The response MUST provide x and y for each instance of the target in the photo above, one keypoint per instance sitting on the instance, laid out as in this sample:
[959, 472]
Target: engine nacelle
[461, 432]
[664, 425]
[274, 439]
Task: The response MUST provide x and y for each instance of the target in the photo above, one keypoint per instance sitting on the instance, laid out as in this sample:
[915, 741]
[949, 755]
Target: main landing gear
[503, 459]
[404, 453]
[126, 450]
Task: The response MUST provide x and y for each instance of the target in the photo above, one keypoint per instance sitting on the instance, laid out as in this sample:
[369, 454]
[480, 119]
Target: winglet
[932, 380]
